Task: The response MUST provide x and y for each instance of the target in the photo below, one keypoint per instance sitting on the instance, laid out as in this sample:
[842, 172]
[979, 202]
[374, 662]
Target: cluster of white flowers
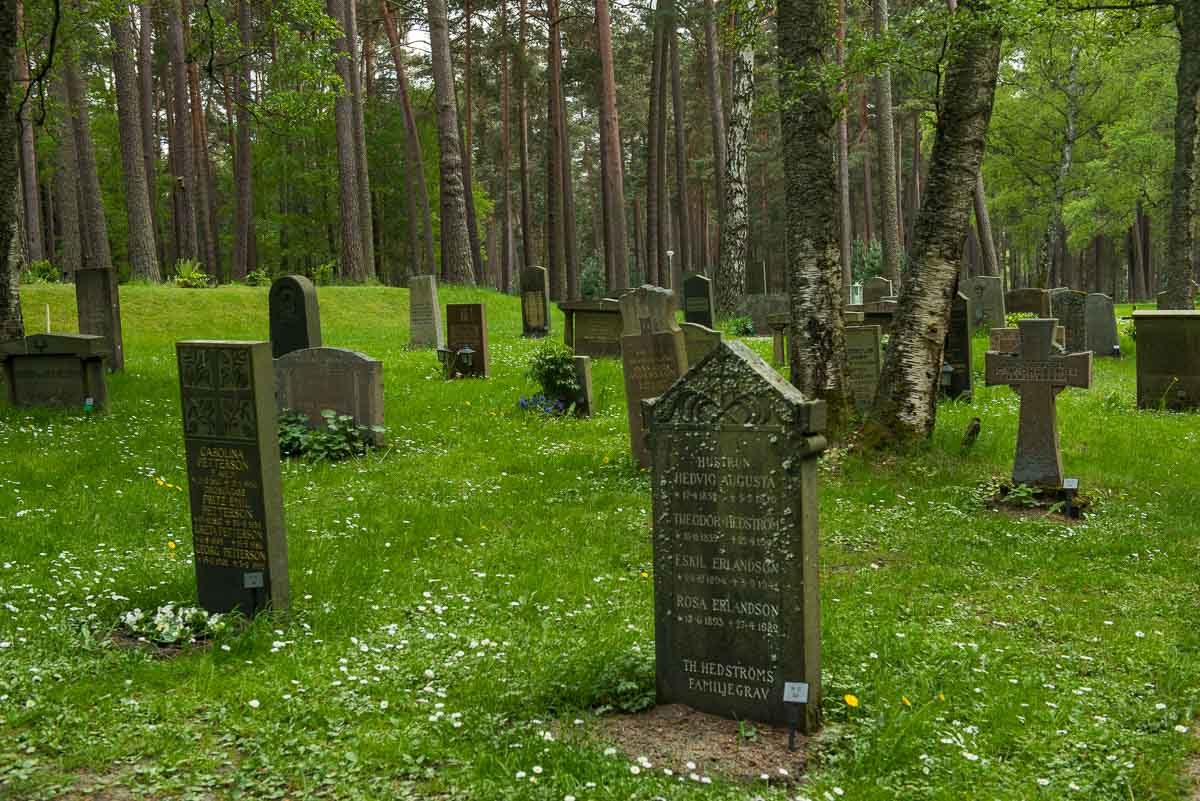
[172, 624]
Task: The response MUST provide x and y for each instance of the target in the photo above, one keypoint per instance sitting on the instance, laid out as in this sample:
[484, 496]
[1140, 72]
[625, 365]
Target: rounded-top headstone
[295, 317]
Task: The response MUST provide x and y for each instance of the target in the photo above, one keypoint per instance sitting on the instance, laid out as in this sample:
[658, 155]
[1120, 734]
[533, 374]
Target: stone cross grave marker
[424, 313]
[736, 604]
[698, 341]
[653, 355]
[295, 316]
[98, 302]
[1102, 339]
[987, 301]
[864, 359]
[1038, 374]
[958, 349]
[314, 380]
[59, 370]
[231, 441]
[698, 300]
[1069, 307]
[535, 302]
[466, 325]
[1168, 359]
[877, 289]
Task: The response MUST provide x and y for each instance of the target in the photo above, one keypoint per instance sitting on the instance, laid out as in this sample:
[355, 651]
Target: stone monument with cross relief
[1037, 373]
[653, 355]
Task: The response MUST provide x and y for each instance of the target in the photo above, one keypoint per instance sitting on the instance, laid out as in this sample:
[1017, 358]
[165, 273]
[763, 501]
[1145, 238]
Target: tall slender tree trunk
[885, 141]
[523, 134]
[612, 168]
[908, 387]
[143, 260]
[868, 172]
[149, 131]
[468, 181]
[31, 192]
[505, 166]
[456, 248]
[187, 233]
[69, 257]
[715, 108]
[206, 218]
[96, 252]
[983, 222]
[555, 256]
[654, 134]
[1055, 229]
[1178, 272]
[663, 242]
[816, 339]
[243, 163]
[846, 221]
[353, 265]
[731, 281]
[366, 221]
[684, 262]
[11, 324]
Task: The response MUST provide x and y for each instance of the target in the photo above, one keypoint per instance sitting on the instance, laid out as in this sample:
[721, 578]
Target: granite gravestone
[1168, 359]
[1069, 307]
[1037, 374]
[466, 326]
[779, 323]
[698, 300]
[864, 359]
[535, 302]
[424, 313]
[987, 301]
[1008, 340]
[876, 290]
[1102, 339]
[231, 441]
[958, 349]
[58, 370]
[592, 327]
[698, 341]
[295, 317]
[98, 302]
[736, 603]
[315, 380]
[653, 355]
[585, 401]
[759, 308]
[1028, 301]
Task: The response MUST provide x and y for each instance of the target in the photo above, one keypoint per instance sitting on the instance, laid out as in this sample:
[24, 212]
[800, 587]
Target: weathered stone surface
[424, 313]
[57, 370]
[1168, 359]
[1008, 340]
[987, 301]
[736, 602]
[1069, 307]
[1028, 301]
[592, 327]
[759, 307]
[698, 341]
[535, 302]
[653, 355]
[779, 322]
[958, 349]
[1102, 338]
[880, 313]
[698, 300]
[314, 380]
[231, 441]
[864, 360]
[295, 316]
[876, 290]
[98, 302]
[466, 325]
[852, 317]
[1037, 374]
[585, 401]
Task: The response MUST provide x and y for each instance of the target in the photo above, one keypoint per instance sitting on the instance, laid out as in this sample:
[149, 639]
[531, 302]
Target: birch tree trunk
[1177, 272]
[843, 149]
[716, 111]
[11, 324]
[612, 170]
[456, 249]
[731, 280]
[1055, 244]
[885, 141]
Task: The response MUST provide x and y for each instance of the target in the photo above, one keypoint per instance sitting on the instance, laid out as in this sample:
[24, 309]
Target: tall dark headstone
[987, 301]
[592, 327]
[958, 350]
[424, 313]
[98, 302]
[295, 317]
[1168, 359]
[1069, 307]
[314, 380]
[1102, 339]
[864, 360]
[57, 370]
[653, 355]
[698, 300]
[535, 302]
[1038, 374]
[231, 441]
[876, 290]
[466, 325]
[1028, 301]
[737, 618]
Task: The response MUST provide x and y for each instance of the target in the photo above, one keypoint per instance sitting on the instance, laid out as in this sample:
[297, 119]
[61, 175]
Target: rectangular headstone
[294, 314]
[466, 325]
[760, 307]
[1028, 301]
[592, 327]
[98, 302]
[1168, 359]
[864, 360]
[698, 300]
[736, 603]
[958, 349]
[1008, 340]
[987, 301]
[1069, 307]
[424, 313]
[585, 402]
[876, 289]
[56, 370]
[698, 341]
[314, 380]
[1102, 339]
[535, 302]
[653, 355]
[231, 441]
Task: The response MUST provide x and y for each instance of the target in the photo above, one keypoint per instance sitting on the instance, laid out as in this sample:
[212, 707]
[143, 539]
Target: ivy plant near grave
[553, 368]
[339, 438]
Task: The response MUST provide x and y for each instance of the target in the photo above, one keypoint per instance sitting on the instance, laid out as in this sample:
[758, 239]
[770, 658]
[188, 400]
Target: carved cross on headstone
[1038, 374]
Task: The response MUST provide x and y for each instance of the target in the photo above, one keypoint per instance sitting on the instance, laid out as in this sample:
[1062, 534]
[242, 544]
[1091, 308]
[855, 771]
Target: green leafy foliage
[173, 624]
[339, 438]
[190, 275]
[740, 326]
[322, 274]
[259, 277]
[591, 277]
[39, 272]
[553, 368]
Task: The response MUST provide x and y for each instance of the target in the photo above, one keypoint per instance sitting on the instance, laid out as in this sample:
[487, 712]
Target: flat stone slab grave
[56, 370]
[294, 314]
[593, 327]
[736, 604]
[1168, 359]
[347, 382]
[231, 442]
[1037, 374]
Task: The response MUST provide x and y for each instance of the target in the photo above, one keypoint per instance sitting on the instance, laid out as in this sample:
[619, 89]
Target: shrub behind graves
[553, 367]
[190, 275]
[259, 277]
[39, 272]
[741, 326]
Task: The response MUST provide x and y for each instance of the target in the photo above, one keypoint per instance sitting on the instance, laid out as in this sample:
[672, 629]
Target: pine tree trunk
[654, 133]
[353, 267]
[663, 214]
[11, 324]
[29, 172]
[66, 180]
[96, 252]
[868, 171]
[206, 220]
[731, 280]
[465, 141]
[527, 249]
[684, 261]
[612, 168]
[1178, 272]
[885, 141]
[569, 231]
[243, 164]
[505, 166]
[456, 248]
[143, 260]
[187, 237]
[846, 221]
[908, 386]
[816, 339]
[366, 221]
[149, 131]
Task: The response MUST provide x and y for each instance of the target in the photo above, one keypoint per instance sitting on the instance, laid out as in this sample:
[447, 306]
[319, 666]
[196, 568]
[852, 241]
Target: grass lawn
[465, 601]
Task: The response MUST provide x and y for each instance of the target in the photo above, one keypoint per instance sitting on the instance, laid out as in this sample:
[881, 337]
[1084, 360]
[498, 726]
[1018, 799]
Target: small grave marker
[864, 359]
[314, 380]
[958, 382]
[592, 327]
[424, 313]
[653, 355]
[698, 300]
[1102, 339]
[698, 341]
[466, 326]
[535, 302]
[295, 316]
[1070, 309]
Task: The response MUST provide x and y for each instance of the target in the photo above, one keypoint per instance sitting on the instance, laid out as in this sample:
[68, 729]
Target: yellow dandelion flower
[645, 574]
[904, 700]
[171, 544]
[605, 460]
[941, 696]
[851, 700]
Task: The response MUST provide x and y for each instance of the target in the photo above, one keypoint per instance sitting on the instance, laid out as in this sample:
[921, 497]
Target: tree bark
[612, 169]
[908, 386]
[555, 255]
[885, 142]
[149, 130]
[684, 260]
[11, 324]
[731, 280]
[31, 193]
[1177, 273]
[456, 248]
[66, 180]
[143, 260]
[465, 141]
[816, 341]
[243, 164]
[715, 107]
[206, 218]
[843, 149]
[362, 176]
[868, 181]
[1055, 230]
[96, 252]
[983, 222]
[353, 266]
[505, 166]
[187, 244]
[523, 136]
[567, 172]
[654, 134]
